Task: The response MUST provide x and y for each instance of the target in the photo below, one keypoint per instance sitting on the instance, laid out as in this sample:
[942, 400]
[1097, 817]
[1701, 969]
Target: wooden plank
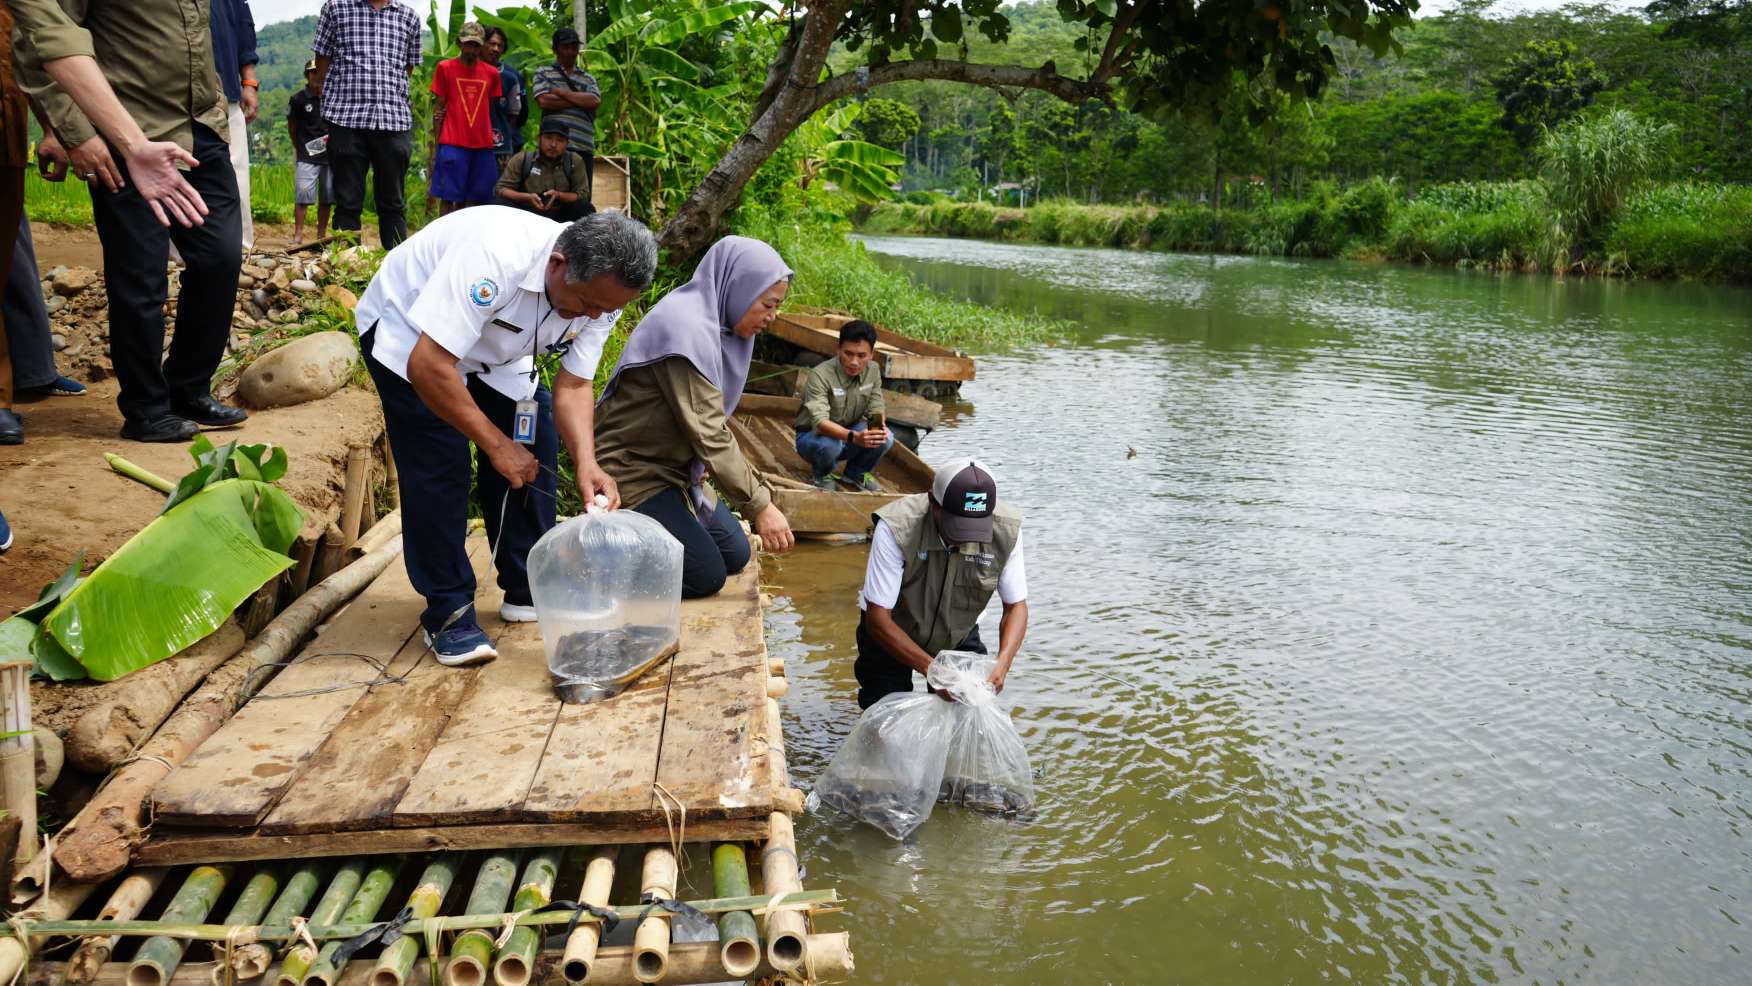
[816, 512]
[713, 757]
[602, 757]
[355, 779]
[172, 847]
[795, 330]
[776, 380]
[241, 771]
[912, 366]
[483, 763]
[909, 409]
[611, 182]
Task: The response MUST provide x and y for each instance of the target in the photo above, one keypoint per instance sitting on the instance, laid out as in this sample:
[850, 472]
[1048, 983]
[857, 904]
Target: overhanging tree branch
[974, 73]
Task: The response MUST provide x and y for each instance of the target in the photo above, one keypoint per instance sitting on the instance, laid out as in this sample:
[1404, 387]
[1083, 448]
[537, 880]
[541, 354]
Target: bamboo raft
[372, 819]
[764, 428]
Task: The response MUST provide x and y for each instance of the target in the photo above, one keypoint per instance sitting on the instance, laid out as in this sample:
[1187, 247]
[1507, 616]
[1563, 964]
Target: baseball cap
[554, 125]
[310, 66]
[471, 31]
[565, 36]
[966, 495]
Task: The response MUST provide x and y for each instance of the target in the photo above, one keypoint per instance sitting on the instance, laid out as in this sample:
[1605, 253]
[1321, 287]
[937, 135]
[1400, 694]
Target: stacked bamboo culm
[18, 756]
[500, 938]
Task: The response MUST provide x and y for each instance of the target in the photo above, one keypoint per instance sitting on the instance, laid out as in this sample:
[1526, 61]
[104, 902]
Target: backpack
[529, 157]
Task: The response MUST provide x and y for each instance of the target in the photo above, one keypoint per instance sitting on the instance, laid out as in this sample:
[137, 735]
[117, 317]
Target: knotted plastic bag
[913, 748]
[607, 593]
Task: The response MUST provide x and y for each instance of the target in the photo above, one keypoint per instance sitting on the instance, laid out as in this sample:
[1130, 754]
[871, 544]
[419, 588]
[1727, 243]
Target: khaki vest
[943, 592]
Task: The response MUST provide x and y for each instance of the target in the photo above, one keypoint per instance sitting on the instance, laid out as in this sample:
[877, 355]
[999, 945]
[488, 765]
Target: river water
[1413, 643]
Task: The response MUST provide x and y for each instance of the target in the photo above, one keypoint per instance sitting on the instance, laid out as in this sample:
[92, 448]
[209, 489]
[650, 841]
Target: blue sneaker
[60, 387]
[460, 645]
[5, 534]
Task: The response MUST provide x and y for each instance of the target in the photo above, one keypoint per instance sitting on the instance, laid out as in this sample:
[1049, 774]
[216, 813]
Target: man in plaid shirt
[366, 52]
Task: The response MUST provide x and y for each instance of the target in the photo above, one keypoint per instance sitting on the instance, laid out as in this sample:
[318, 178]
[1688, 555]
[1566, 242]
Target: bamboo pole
[60, 900]
[786, 931]
[107, 733]
[373, 891]
[252, 960]
[101, 838]
[379, 534]
[330, 554]
[138, 474]
[342, 886]
[515, 963]
[739, 945]
[157, 959]
[125, 903]
[473, 950]
[249, 907]
[495, 920]
[18, 756]
[580, 951]
[356, 484]
[391, 475]
[651, 940]
[397, 961]
[689, 962]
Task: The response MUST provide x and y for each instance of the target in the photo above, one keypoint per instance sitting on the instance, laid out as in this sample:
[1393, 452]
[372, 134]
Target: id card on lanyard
[523, 424]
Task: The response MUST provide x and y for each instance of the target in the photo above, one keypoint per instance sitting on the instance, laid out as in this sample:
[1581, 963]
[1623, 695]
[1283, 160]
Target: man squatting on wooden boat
[841, 429]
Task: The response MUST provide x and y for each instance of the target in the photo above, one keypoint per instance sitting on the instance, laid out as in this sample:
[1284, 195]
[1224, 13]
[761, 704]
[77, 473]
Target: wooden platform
[901, 358]
[318, 763]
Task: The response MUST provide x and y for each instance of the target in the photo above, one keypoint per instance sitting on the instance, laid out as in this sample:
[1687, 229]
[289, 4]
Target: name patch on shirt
[501, 323]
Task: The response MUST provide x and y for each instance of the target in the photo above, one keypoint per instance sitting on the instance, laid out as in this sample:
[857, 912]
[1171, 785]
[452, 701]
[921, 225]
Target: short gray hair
[609, 243]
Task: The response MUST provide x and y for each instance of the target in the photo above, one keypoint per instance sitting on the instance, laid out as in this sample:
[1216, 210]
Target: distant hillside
[284, 48]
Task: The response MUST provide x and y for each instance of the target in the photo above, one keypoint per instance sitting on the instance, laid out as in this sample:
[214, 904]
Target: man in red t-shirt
[464, 167]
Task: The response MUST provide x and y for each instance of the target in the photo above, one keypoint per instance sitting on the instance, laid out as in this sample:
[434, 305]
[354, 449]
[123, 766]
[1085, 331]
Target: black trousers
[880, 673]
[560, 214]
[384, 153]
[136, 248]
[433, 460]
[27, 320]
[710, 552]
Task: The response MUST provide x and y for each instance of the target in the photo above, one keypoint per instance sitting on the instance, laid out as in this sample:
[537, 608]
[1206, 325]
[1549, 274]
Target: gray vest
[942, 592]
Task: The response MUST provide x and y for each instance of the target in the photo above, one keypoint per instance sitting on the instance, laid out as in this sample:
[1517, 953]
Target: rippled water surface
[1413, 644]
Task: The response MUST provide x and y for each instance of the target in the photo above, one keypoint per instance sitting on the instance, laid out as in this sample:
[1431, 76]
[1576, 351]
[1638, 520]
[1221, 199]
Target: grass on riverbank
[1688, 229]
[835, 272]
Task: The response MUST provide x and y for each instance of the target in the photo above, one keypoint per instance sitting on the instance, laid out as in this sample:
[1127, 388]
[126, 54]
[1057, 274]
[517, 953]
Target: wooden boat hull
[906, 363]
[764, 427]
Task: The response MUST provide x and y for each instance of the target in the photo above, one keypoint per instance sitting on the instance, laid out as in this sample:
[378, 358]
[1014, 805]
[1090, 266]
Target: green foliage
[1686, 229]
[1592, 165]
[887, 122]
[1693, 229]
[1544, 85]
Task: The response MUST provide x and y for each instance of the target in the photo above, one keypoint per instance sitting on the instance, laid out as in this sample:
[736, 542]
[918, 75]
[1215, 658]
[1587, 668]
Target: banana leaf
[21, 639]
[178, 579]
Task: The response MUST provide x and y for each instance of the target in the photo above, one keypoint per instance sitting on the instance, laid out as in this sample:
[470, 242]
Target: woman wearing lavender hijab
[662, 424]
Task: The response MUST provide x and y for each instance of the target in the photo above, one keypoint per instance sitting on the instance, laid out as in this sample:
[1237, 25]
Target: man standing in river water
[936, 560]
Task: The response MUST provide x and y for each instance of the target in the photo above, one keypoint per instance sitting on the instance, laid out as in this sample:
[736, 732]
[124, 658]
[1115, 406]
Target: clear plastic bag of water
[902, 755]
[607, 593]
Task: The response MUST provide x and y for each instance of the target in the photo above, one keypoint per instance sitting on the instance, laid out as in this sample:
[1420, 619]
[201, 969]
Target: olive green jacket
[943, 591]
[658, 420]
[830, 395]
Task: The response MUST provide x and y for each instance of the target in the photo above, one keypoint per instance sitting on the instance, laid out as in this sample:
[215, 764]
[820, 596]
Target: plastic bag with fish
[892, 768]
[607, 593]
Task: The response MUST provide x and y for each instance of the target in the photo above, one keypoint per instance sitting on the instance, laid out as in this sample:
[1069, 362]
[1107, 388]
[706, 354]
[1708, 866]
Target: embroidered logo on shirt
[483, 292]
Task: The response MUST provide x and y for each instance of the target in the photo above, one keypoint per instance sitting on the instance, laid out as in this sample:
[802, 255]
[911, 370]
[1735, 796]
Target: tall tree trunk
[580, 11]
[786, 107]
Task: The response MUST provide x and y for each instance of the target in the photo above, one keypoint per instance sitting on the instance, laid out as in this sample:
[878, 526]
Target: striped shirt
[580, 124]
[371, 52]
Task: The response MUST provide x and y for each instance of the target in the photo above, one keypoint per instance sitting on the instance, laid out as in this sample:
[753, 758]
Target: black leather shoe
[164, 428]
[209, 413]
[11, 429]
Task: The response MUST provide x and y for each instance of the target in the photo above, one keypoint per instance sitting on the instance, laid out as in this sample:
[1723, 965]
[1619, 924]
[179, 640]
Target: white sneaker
[513, 613]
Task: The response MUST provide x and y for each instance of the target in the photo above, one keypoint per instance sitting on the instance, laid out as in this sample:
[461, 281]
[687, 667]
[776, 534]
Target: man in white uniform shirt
[457, 327]
[936, 560]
